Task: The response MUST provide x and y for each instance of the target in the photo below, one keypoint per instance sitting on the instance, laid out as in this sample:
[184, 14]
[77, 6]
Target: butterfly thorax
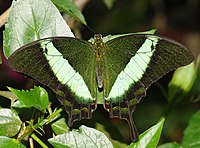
[99, 51]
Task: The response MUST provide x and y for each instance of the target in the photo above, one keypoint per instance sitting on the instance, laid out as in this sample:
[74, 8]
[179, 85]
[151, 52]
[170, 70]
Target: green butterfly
[120, 69]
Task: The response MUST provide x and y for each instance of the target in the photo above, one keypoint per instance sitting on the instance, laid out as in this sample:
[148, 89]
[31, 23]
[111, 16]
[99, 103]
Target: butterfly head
[98, 42]
[97, 37]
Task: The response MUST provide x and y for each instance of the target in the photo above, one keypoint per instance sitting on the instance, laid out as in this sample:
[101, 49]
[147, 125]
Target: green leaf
[149, 138]
[115, 143]
[10, 123]
[185, 83]
[191, 137]
[187, 89]
[30, 20]
[170, 145]
[60, 126]
[109, 3]
[195, 90]
[69, 7]
[6, 142]
[84, 137]
[37, 97]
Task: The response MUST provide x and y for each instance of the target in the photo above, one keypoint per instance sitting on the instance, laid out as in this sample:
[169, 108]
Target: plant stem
[38, 140]
[31, 142]
[31, 128]
[50, 117]
[4, 17]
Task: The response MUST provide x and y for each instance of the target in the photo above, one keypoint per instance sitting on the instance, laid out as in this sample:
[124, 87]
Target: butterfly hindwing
[49, 61]
[132, 64]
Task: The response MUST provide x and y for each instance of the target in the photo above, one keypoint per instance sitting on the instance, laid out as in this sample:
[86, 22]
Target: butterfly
[120, 70]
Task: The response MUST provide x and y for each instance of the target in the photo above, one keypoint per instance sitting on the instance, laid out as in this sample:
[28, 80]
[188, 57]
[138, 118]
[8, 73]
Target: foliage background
[177, 19]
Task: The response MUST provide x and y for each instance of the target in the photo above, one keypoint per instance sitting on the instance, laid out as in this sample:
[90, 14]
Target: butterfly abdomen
[99, 52]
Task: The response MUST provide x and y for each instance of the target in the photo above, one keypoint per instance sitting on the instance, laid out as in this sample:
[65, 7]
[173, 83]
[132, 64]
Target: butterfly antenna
[90, 28]
[116, 11]
[84, 23]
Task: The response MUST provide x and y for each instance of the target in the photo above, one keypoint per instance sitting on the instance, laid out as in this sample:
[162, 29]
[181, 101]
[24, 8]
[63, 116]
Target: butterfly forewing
[59, 63]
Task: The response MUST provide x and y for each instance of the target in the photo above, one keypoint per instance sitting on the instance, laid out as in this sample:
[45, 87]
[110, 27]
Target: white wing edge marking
[133, 72]
[64, 72]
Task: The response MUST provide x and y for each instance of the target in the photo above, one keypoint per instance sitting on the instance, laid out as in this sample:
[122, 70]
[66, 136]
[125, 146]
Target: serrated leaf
[69, 7]
[60, 126]
[37, 97]
[149, 138]
[170, 145]
[10, 123]
[85, 137]
[191, 136]
[185, 83]
[30, 20]
[6, 142]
